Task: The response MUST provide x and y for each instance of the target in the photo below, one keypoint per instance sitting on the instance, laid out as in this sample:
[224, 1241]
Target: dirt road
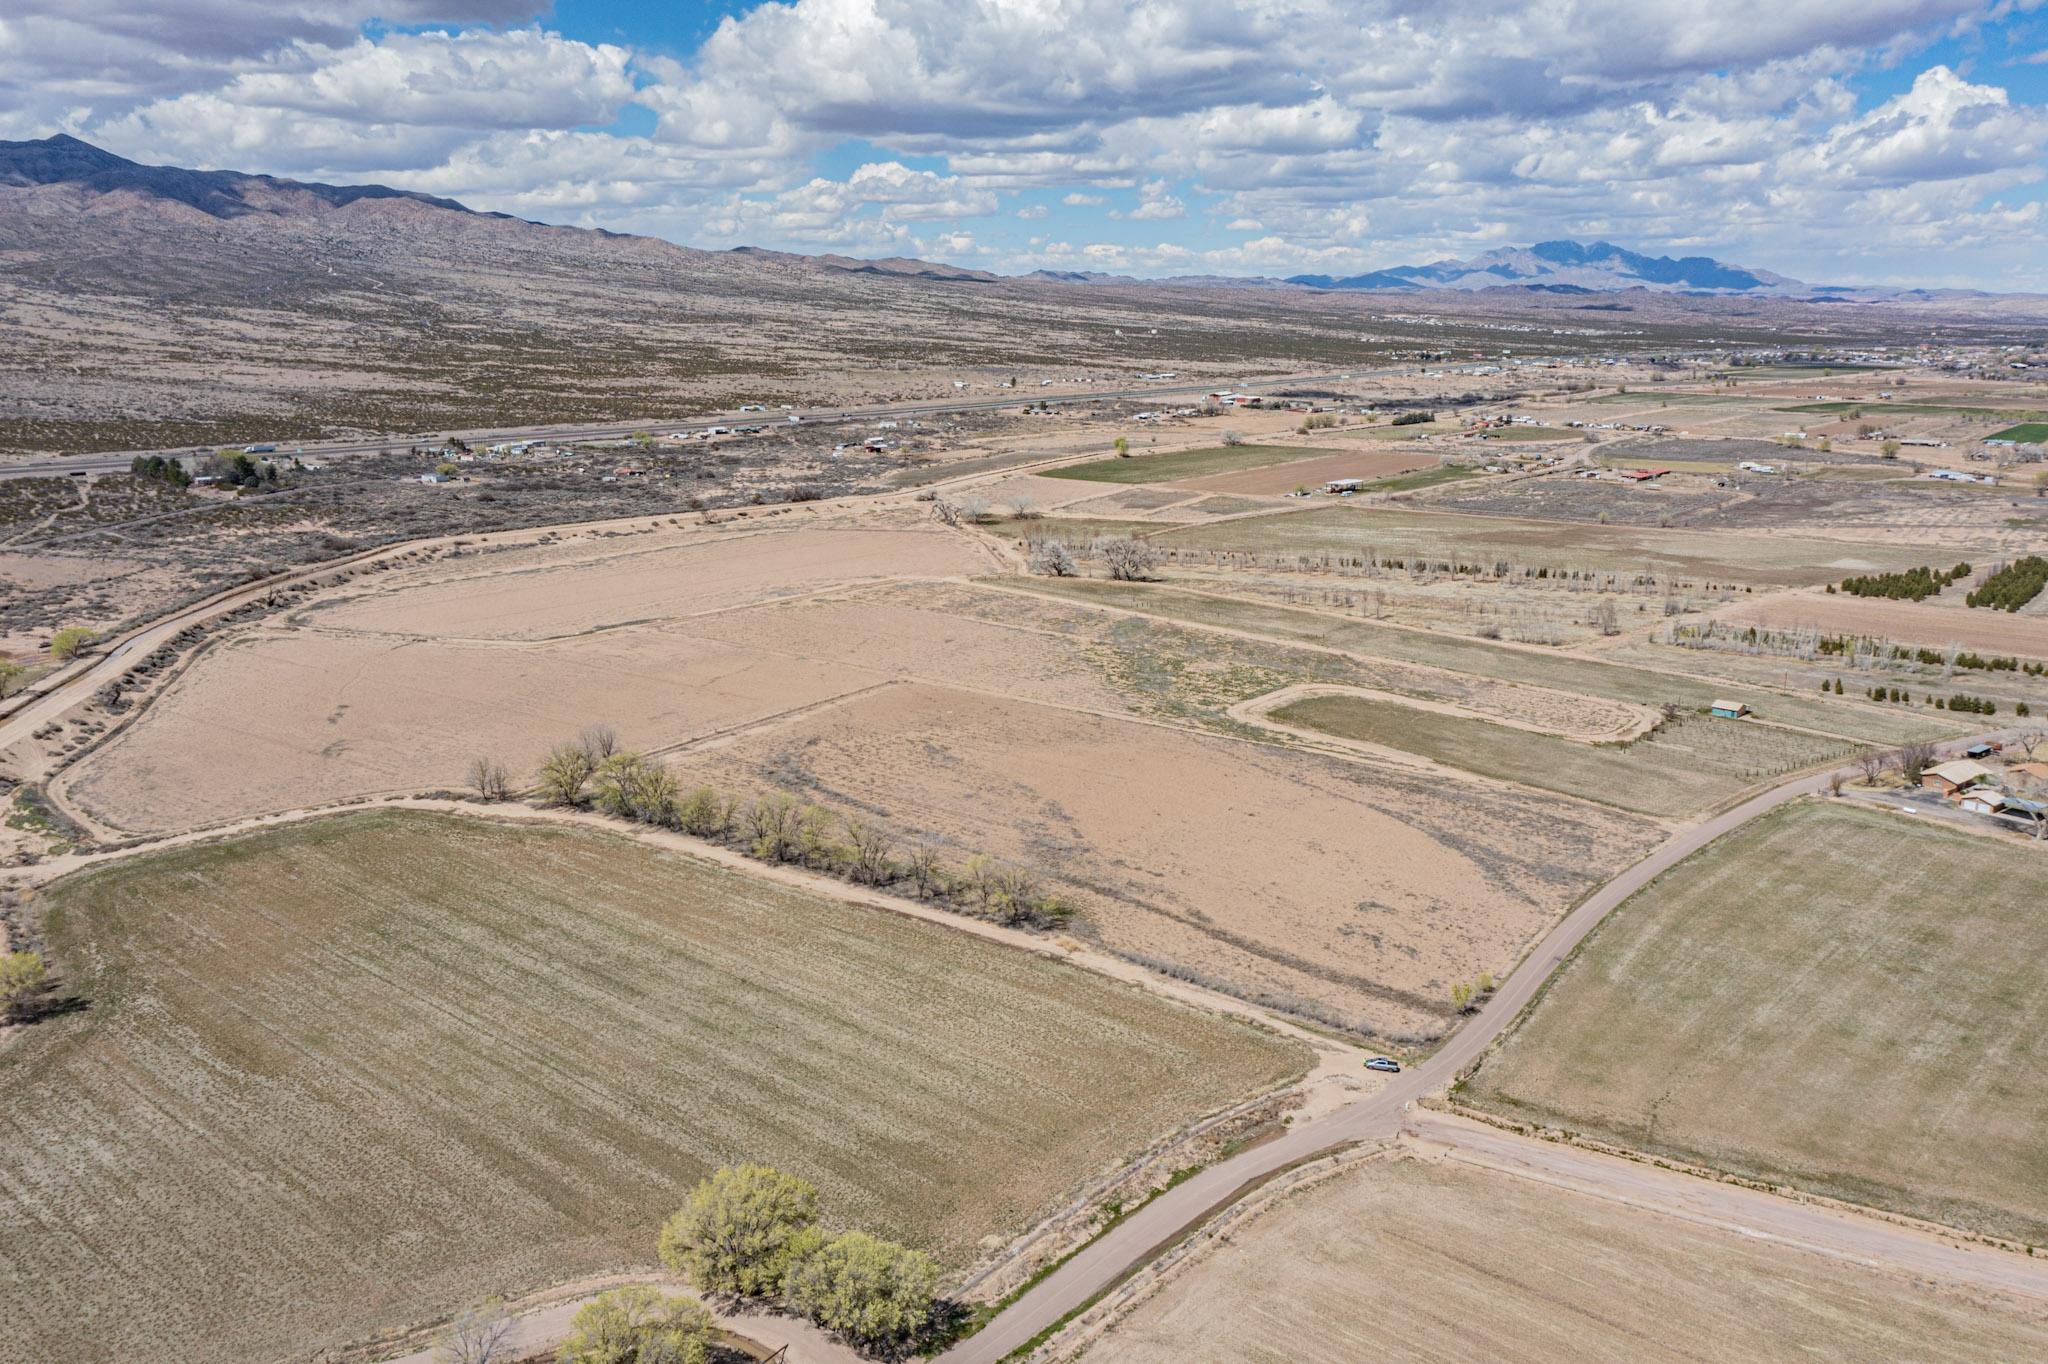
[1379, 1117]
[546, 1327]
[1814, 1227]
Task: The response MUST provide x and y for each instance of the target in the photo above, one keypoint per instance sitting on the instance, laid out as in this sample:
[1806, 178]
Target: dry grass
[1831, 997]
[1481, 659]
[1686, 766]
[1354, 891]
[1717, 557]
[341, 1077]
[1414, 1263]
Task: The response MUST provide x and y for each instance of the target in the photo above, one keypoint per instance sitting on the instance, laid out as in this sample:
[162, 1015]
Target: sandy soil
[646, 578]
[1313, 473]
[1922, 623]
[1359, 891]
[280, 719]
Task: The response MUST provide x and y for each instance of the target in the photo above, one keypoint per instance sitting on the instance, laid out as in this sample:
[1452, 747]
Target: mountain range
[1569, 267]
[70, 173]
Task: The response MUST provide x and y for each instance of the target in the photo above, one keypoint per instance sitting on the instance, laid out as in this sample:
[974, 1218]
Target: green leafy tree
[65, 644]
[740, 1230]
[22, 976]
[874, 1291]
[12, 676]
[638, 1325]
[564, 775]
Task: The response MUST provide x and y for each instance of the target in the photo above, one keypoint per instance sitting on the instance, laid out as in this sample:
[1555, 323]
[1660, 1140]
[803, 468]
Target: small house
[1952, 777]
[1730, 710]
[2028, 771]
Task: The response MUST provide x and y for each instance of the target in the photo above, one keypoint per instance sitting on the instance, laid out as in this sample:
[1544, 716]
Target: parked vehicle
[1382, 1063]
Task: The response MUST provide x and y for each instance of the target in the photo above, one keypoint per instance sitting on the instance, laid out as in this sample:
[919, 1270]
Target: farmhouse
[1730, 710]
[1952, 777]
[2028, 771]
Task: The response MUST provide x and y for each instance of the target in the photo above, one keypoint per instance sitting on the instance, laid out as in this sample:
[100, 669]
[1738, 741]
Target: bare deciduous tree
[1871, 762]
[974, 507]
[479, 1335]
[1130, 561]
[1914, 759]
[598, 741]
[925, 872]
[1051, 558]
[488, 778]
[870, 854]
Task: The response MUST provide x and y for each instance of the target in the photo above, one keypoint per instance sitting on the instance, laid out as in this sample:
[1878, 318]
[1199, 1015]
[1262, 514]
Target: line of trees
[1914, 584]
[595, 772]
[2013, 586]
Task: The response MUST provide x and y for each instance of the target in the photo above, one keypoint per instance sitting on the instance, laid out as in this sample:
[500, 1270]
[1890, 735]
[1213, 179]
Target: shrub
[740, 1230]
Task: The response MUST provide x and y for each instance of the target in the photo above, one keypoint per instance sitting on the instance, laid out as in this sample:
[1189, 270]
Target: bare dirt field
[1832, 997]
[1435, 1263]
[1780, 560]
[338, 1078]
[279, 719]
[1350, 891]
[1927, 624]
[1274, 479]
[546, 594]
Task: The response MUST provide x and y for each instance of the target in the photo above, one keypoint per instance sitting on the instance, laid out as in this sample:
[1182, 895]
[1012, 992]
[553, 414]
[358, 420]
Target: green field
[1219, 459]
[1832, 997]
[1482, 659]
[347, 1076]
[1685, 766]
[2026, 433]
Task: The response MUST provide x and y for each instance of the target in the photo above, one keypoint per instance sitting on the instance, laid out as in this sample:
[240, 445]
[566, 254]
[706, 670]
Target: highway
[1378, 1117]
[115, 461]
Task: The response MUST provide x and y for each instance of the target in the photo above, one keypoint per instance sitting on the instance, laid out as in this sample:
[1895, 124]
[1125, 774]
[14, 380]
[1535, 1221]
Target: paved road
[113, 461]
[1377, 1117]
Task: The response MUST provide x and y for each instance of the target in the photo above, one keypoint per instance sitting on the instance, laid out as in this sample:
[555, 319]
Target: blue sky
[1886, 141]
